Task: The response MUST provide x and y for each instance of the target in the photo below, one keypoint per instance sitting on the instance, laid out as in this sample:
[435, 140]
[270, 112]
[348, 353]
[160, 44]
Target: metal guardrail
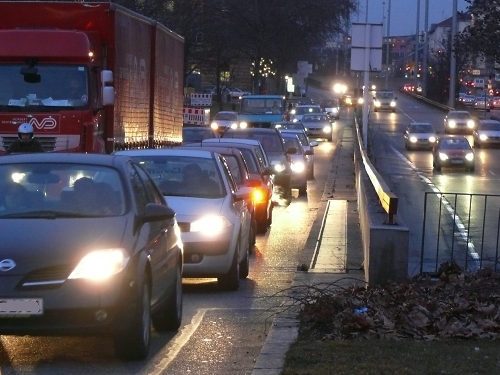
[388, 200]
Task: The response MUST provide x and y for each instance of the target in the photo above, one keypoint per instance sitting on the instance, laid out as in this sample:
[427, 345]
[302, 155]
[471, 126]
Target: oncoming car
[453, 151]
[102, 254]
[384, 100]
[420, 135]
[459, 122]
[487, 133]
[211, 210]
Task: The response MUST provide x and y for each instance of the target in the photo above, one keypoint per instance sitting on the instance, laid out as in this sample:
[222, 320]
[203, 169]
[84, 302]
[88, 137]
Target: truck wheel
[169, 318]
[133, 344]
[303, 189]
[231, 280]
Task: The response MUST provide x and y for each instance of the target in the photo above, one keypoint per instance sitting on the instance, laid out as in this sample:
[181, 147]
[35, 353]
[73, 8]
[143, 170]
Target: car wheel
[472, 169]
[231, 280]
[262, 222]
[303, 189]
[374, 110]
[245, 265]
[310, 174]
[170, 318]
[133, 344]
[406, 146]
[252, 238]
[437, 167]
[270, 218]
[477, 144]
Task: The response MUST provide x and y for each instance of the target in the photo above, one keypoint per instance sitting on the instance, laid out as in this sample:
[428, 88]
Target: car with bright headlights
[420, 135]
[307, 145]
[298, 163]
[274, 146]
[259, 167]
[318, 126]
[299, 111]
[224, 120]
[456, 122]
[211, 210]
[384, 101]
[91, 248]
[331, 107]
[453, 151]
[487, 133]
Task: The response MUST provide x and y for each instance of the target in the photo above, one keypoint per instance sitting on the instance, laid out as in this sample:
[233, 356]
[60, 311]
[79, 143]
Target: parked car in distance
[224, 120]
[331, 107]
[211, 210]
[259, 167]
[317, 126]
[298, 164]
[89, 247]
[487, 133]
[307, 145]
[453, 151]
[420, 135]
[195, 133]
[459, 122]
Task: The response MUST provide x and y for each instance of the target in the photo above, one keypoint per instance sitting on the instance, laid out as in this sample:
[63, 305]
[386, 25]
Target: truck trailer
[127, 71]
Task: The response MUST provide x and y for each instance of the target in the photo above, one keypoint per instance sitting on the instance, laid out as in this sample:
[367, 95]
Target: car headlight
[298, 167]
[100, 264]
[243, 125]
[278, 167]
[413, 139]
[327, 129]
[393, 104]
[469, 156]
[335, 110]
[443, 156]
[376, 103]
[214, 125]
[483, 137]
[292, 111]
[210, 225]
[360, 100]
[470, 124]
[452, 124]
[432, 139]
[295, 120]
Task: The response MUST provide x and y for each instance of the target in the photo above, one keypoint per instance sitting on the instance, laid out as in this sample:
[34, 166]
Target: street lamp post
[417, 41]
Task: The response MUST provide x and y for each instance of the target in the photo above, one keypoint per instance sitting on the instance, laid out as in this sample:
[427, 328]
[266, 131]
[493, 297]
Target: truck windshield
[262, 106]
[58, 86]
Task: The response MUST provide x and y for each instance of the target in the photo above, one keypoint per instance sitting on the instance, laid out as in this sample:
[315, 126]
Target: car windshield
[226, 116]
[314, 118]
[460, 115]
[52, 86]
[490, 126]
[385, 95]
[271, 141]
[421, 128]
[454, 143]
[60, 190]
[329, 103]
[290, 125]
[304, 110]
[193, 135]
[184, 176]
[292, 141]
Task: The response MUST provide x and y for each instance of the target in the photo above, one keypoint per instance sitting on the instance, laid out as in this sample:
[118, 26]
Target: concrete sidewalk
[333, 252]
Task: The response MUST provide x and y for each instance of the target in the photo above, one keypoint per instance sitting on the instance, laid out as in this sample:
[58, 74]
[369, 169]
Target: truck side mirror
[108, 92]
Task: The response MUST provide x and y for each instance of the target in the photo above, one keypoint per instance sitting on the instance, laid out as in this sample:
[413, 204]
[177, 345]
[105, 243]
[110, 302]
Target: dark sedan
[453, 151]
[88, 247]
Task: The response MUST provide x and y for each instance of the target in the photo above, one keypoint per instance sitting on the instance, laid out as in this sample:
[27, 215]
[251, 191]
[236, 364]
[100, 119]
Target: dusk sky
[404, 13]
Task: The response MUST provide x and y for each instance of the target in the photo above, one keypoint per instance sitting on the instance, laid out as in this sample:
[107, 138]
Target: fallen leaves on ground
[456, 304]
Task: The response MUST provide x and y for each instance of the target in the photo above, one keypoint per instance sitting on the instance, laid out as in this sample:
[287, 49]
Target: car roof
[168, 151]
[58, 157]
[244, 141]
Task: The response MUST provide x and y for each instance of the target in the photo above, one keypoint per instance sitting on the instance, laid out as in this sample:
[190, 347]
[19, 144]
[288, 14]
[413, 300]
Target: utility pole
[453, 60]
[388, 45]
[417, 46]
[426, 49]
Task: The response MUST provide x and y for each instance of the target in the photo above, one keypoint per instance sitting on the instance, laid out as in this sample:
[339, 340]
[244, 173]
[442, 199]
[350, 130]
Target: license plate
[457, 161]
[21, 307]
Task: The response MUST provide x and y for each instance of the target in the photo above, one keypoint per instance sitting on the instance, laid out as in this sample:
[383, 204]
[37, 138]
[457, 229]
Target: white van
[479, 83]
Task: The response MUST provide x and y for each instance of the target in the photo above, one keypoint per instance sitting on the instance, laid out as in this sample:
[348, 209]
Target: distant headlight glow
[432, 139]
[452, 124]
[413, 139]
[210, 225]
[243, 125]
[443, 156]
[483, 137]
[470, 156]
[214, 125]
[100, 264]
[278, 167]
[327, 129]
[470, 124]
